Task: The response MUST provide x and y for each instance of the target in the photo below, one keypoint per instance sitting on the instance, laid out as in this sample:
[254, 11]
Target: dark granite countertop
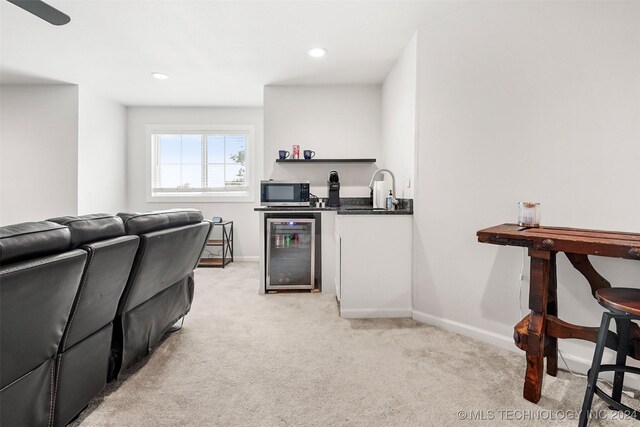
[348, 206]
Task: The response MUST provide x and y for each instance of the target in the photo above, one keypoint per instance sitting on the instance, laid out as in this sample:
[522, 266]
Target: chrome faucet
[393, 184]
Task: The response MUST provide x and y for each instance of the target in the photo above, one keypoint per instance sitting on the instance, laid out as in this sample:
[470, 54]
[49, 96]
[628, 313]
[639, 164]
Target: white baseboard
[576, 364]
[361, 313]
[467, 330]
[246, 258]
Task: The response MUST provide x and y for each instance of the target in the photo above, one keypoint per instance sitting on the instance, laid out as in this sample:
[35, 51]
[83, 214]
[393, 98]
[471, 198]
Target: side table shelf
[218, 251]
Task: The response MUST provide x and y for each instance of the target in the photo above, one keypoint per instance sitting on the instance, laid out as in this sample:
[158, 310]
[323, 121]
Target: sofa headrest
[31, 240]
[146, 222]
[90, 228]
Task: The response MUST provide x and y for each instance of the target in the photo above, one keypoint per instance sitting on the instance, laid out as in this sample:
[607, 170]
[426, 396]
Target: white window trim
[244, 196]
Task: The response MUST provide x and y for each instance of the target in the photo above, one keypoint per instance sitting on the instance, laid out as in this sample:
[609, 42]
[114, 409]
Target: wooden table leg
[551, 343]
[535, 360]
[538, 297]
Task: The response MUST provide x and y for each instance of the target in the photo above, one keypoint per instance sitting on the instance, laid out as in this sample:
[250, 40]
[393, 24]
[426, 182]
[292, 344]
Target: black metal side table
[219, 247]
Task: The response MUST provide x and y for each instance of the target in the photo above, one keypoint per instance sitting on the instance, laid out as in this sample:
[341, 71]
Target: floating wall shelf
[326, 161]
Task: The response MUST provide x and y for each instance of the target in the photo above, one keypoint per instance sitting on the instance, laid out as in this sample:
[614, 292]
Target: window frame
[246, 195]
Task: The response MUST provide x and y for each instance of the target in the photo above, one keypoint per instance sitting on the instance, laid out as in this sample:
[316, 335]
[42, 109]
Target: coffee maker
[333, 186]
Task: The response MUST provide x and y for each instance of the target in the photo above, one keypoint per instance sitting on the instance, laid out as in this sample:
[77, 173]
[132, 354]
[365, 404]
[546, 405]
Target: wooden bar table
[537, 334]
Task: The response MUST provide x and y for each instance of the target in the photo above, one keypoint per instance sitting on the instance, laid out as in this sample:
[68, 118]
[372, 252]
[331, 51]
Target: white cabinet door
[375, 265]
[338, 272]
[328, 252]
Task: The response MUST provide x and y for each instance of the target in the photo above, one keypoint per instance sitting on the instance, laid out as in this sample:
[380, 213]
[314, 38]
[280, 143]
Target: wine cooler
[291, 253]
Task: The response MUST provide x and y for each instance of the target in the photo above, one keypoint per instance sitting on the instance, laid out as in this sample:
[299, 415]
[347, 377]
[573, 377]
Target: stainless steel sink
[363, 208]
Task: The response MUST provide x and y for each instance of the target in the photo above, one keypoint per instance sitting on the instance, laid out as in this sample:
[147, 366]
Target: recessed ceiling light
[317, 52]
[160, 76]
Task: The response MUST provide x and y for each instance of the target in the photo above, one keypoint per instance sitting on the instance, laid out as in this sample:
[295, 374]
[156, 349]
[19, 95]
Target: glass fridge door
[290, 253]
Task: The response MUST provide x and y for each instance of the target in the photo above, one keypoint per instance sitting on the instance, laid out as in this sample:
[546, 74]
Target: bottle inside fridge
[291, 251]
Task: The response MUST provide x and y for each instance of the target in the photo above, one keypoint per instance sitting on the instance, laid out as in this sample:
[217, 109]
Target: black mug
[309, 154]
[283, 154]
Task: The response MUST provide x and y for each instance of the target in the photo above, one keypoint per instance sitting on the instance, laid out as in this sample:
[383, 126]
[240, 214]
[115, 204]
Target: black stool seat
[624, 306]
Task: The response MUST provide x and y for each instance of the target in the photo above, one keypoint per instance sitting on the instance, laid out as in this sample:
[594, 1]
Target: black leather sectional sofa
[82, 299]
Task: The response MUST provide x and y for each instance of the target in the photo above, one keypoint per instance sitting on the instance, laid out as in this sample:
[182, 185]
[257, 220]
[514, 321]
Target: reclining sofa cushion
[91, 228]
[82, 374]
[86, 343]
[160, 287]
[27, 400]
[146, 222]
[31, 240]
[36, 299]
[110, 256]
[164, 258]
[36, 296]
[105, 276]
[145, 325]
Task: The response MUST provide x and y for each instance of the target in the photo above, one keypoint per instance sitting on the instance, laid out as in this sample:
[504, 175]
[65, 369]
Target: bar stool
[624, 306]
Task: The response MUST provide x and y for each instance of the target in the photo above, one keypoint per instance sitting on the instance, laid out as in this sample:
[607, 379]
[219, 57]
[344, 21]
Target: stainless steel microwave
[284, 193]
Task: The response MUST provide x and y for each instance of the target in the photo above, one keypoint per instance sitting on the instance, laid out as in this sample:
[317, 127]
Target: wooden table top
[573, 240]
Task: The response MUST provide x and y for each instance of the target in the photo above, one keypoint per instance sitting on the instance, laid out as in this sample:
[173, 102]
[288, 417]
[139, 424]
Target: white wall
[335, 121]
[39, 152]
[522, 101]
[101, 154]
[399, 95]
[245, 219]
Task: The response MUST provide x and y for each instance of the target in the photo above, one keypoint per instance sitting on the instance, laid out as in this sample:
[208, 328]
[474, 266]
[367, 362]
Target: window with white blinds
[200, 163]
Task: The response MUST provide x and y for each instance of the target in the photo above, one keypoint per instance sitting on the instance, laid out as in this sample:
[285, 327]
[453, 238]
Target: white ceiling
[218, 53]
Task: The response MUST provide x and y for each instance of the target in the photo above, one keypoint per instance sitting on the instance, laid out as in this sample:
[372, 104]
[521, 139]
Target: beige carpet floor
[244, 359]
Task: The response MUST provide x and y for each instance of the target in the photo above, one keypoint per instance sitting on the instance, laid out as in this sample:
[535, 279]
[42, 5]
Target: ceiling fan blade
[43, 10]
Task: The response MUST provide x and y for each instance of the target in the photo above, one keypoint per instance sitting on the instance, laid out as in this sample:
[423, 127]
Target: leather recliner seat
[82, 298]
[160, 287]
[39, 280]
[83, 355]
